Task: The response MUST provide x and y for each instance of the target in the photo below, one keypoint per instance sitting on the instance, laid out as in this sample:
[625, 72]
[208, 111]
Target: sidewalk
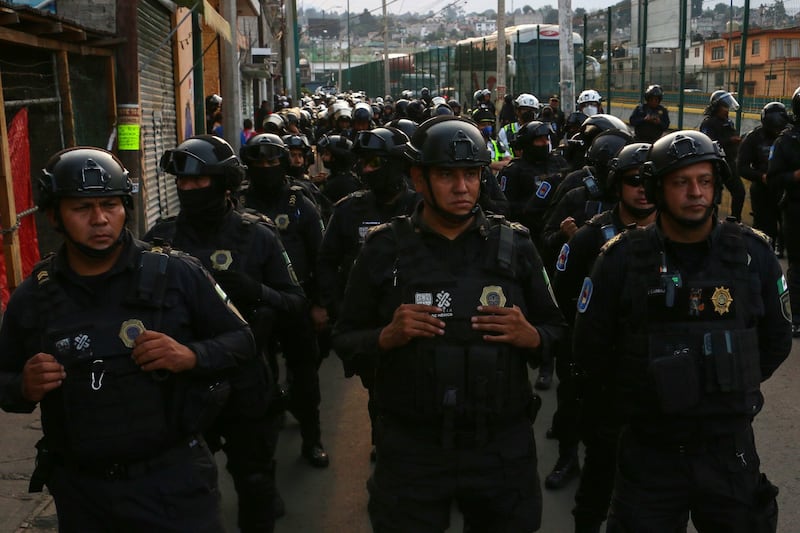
[21, 511]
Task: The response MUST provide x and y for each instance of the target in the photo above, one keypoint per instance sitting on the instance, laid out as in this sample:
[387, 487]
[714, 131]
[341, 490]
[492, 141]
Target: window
[717, 53]
[782, 48]
[687, 54]
[697, 52]
[755, 47]
[737, 49]
[719, 79]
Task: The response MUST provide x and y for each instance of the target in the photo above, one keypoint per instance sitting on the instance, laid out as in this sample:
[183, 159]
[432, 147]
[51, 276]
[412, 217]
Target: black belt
[135, 469]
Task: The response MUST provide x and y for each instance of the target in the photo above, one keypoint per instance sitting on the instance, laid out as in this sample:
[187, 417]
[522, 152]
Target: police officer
[247, 259]
[593, 195]
[300, 157]
[684, 319]
[526, 107]
[118, 343]
[753, 163]
[719, 127]
[783, 176]
[337, 157]
[530, 179]
[300, 226]
[497, 150]
[591, 421]
[382, 166]
[452, 306]
[650, 119]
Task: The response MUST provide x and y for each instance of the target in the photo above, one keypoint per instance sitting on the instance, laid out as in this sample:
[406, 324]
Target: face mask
[384, 183]
[206, 204]
[487, 130]
[296, 172]
[590, 110]
[535, 153]
[266, 180]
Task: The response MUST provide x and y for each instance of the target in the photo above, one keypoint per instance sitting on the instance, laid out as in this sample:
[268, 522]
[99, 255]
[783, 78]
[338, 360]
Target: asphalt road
[334, 499]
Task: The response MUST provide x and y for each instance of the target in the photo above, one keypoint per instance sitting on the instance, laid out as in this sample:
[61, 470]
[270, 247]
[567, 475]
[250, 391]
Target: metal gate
[159, 120]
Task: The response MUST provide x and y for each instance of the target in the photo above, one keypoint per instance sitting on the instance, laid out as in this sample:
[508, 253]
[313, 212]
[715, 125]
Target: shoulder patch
[563, 256]
[543, 190]
[585, 296]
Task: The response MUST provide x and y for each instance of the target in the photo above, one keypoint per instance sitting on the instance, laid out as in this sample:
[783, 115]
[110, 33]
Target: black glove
[243, 290]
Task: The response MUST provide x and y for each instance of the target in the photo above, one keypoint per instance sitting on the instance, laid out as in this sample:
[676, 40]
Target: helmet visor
[263, 152]
[367, 140]
[182, 163]
[729, 101]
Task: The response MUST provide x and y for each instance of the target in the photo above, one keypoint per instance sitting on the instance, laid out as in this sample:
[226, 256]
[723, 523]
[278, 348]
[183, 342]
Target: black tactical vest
[457, 380]
[107, 409]
[690, 347]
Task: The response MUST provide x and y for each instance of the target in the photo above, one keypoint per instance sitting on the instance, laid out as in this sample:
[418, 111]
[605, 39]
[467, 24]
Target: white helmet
[527, 100]
[589, 95]
[438, 100]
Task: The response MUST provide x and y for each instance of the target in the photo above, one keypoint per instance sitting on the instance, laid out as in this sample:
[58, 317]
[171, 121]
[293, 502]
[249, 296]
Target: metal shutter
[159, 121]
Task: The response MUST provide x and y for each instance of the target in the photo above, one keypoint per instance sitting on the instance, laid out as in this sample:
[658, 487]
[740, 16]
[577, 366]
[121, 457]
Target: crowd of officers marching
[280, 225]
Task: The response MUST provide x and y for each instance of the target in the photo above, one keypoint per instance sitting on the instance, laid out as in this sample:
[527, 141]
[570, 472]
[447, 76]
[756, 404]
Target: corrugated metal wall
[159, 121]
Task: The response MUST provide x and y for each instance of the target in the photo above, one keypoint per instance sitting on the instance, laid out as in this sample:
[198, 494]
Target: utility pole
[566, 53]
[385, 50]
[501, 54]
[232, 113]
[289, 43]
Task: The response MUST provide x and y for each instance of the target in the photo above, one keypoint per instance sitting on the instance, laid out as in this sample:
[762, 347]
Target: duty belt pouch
[484, 386]
[673, 369]
[203, 403]
[449, 370]
[731, 361]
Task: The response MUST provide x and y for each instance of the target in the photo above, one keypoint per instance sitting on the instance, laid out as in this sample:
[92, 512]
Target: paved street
[334, 500]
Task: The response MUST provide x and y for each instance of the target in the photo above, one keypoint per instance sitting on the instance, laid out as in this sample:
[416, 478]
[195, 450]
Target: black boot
[566, 469]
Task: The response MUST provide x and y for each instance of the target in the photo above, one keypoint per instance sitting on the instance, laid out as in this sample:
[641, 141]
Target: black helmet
[385, 142]
[596, 124]
[483, 114]
[204, 155]
[448, 141]
[340, 147]
[407, 126]
[654, 90]
[723, 98]
[83, 171]
[796, 103]
[631, 156]
[606, 146]
[401, 108]
[264, 147]
[297, 141]
[774, 117]
[530, 130]
[575, 120]
[681, 149]
[416, 111]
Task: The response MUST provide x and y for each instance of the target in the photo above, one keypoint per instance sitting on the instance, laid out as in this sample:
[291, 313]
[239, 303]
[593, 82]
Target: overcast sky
[424, 6]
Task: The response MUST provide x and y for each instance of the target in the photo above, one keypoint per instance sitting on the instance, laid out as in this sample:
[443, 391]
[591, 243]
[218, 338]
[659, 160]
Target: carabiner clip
[97, 385]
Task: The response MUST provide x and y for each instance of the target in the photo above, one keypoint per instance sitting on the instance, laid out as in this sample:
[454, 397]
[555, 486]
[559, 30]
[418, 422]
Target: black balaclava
[204, 207]
[265, 182]
[385, 182]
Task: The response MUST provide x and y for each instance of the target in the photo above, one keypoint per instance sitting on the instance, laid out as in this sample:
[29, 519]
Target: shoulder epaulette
[254, 217]
[758, 235]
[610, 243]
[519, 228]
[352, 195]
[374, 230]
